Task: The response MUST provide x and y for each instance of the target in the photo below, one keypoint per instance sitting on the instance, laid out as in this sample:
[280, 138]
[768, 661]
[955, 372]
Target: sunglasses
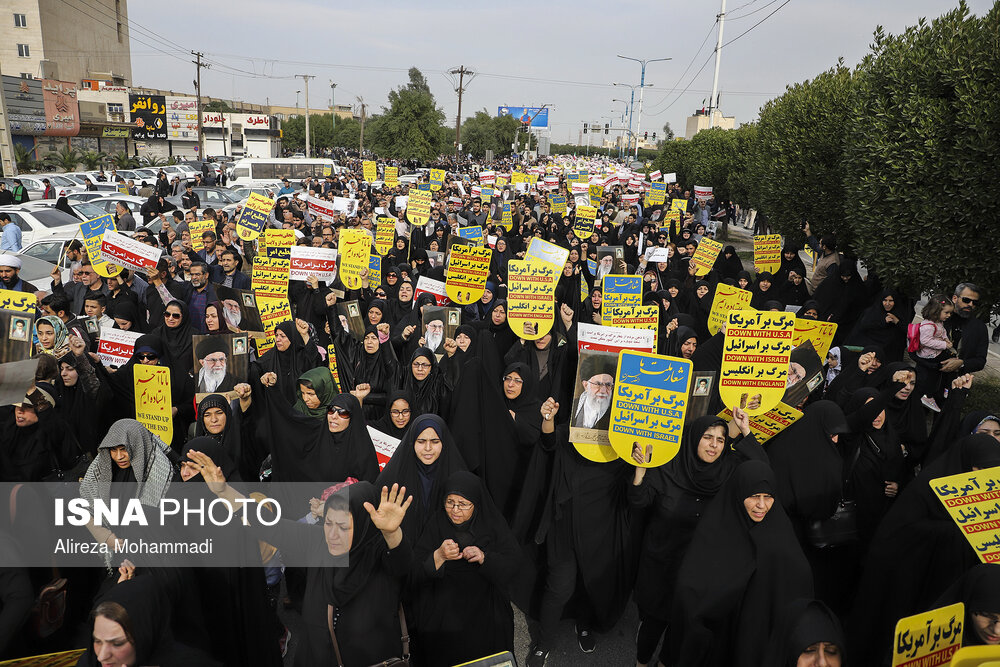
[971, 302]
[340, 412]
[148, 357]
[172, 316]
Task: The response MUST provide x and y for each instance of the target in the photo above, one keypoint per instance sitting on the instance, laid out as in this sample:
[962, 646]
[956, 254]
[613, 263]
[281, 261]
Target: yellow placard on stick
[371, 171]
[727, 298]
[467, 273]
[152, 400]
[596, 192]
[23, 302]
[767, 253]
[270, 275]
[755, 359]
[820, 333]
[972, 500]
[353, 252]
[769, 424]
[633, 317]
[583, 227]
[278, 243]
[531, 297]
[437, 179]
[385, 234]
[418, 207]
[705, 255]
[196, 229]
[506, 216]
[391, 176]
[93, 233]
[254, 216]
[929, 639]
[650, 400]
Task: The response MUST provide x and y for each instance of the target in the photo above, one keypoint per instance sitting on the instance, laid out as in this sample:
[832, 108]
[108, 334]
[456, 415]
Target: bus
[260, 172]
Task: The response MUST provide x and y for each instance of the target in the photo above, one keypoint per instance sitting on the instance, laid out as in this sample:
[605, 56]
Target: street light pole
[642, 85]
[718, 58]
[333, 109]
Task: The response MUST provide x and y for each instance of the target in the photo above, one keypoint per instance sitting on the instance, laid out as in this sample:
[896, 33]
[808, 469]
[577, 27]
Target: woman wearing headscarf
[807, 634]
[52, 335]
[406, 333]
[127, 317]
[215, 322]
[744, 565]
[400, 302]
[884, 324]
[841, 297]
[431, 389]
[397, 415]
[795, 290]
[62, 204]
[979, 590]
[291, 356]
[479, 308]
[80, 396]
[917, 541]
[728, 264]
[36, 440]
[175, 334]
[355, 571]
[498, 262]
[244, 630]
[130, 625]
[423, 461]
[495, 324]
[833, 366]
[462, 566]
[905, 412]
[763, 290]
[790, 261]
[678, 492]
[365, 362]
[863, 370]
[218, 420]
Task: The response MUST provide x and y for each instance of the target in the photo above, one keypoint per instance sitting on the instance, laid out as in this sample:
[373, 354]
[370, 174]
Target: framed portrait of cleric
[239, 309]
[438, 324]
[220, 363]
[18, 327]
[805, 372]
[593, 391]
[700, 398]
[351, 318]
[610, 261]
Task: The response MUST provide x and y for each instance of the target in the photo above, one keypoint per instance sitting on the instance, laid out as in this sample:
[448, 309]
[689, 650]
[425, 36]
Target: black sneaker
[537, 657]
[585, 640]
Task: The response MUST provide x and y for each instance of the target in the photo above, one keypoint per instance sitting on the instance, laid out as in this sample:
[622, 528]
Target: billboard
[149, 115]
[25, 105]
[524, 114]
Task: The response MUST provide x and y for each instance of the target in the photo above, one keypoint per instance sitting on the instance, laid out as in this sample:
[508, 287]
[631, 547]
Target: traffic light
[645, 136]
[606, 128]
[585, 128]
[654, 136]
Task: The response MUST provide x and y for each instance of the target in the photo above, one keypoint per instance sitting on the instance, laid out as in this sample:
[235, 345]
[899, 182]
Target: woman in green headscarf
[52, 336]
[315, 391]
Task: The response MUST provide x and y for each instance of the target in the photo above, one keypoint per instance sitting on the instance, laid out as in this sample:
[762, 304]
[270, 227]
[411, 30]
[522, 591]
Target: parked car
[242, 192]
[87, 195]
[209, 197]
[51, 252]
[83, 209]
[63, 185]
[37, 271]
[108, 202]
[41, 222]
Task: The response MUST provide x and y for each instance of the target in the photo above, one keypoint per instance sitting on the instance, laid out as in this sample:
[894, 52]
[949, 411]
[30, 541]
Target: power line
[749, 14]
[756, 24]
[693, 58]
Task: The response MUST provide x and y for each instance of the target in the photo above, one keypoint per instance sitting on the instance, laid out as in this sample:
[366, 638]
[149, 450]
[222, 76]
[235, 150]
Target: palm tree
[122, 160]
[153, 161]
[93, 159]
[65, 158]
[23, 156]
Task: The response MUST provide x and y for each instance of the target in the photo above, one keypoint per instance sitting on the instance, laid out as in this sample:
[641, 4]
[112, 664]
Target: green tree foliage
[712, 154]
[921, 171]
[675, 157]
[122, 160]
[740, 182]
[66, 158]
[479, 134]
[796, 171]
[410, 126]
[93, 159]
[218, 106]
[320, 132]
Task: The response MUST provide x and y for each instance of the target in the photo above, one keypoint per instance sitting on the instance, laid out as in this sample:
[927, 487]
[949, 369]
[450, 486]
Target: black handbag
[841, 528]
[388, 662]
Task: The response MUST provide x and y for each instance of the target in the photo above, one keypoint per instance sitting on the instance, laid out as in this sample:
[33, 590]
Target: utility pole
[718, 58]
[361, 146]
[197, 87]
[642, 87]
[461, 72]
[306, 77]
[333, 108]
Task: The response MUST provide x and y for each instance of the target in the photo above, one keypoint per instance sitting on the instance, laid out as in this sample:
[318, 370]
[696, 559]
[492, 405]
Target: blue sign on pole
[526, 114]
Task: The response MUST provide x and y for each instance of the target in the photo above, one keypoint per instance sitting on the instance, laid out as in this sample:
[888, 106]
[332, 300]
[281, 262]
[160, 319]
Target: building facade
[702, 121]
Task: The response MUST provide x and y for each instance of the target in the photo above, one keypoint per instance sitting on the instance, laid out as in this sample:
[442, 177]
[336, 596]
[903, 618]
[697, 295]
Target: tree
[93, 159]
[675, 157]
[479, 134]
[745, 144]
[66, 158]
[921, 169]
[796, 170]
[23, 156]
[294, 132]
[409, 126]
[347, 133]
[122, 160]
[711, 159]
[218, 106]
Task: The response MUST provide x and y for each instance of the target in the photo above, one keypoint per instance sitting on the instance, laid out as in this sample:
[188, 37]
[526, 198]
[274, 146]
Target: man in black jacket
[6, 197]
[967, 332]
[190, 200]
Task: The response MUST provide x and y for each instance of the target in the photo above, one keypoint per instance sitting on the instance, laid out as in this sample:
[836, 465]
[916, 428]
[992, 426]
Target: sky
[559, 53]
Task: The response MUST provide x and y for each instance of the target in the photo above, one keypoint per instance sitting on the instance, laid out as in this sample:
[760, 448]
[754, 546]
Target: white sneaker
[930, 404]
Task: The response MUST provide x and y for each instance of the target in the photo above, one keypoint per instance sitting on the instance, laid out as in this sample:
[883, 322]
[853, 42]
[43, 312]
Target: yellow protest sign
[385, 234]
[391, 176]
[273, 311]
[596, 192]
[531, 297]
[767, 253]
[506, 216]
[354, 249]
[22, 302]
[93, 233]
[518, 177]
[771, 423]
[929, 639]
[270, 275]
[196, 229]
[437, 179]
[617, 291]
[152, 400]
[971, 500]
[418, 207]
[501, 181]
[726, 298]
[647, 411]
[755, 359]
[332, 364]
[583, 227]
[679, 205]
[278, 243]
[558, 203]
[633, 317]
[820, 333]
[371, 171]
[657, 194]
[705, 255]
[468, 270]
[254, 216]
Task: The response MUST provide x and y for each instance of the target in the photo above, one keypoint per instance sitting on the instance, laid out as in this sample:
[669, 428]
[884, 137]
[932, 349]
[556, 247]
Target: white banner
[128, 253]
[385, 445]
[657, 254]
[308, 261]
[116, 346]
[670, 178]
[431, 286]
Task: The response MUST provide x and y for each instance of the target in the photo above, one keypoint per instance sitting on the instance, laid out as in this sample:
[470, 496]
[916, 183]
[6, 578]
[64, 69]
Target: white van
[260, 172]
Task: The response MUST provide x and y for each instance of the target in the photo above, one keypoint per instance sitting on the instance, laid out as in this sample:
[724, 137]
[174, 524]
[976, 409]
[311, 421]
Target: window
[22, 51]
[20, 21]
[26, 75]
[115, 108]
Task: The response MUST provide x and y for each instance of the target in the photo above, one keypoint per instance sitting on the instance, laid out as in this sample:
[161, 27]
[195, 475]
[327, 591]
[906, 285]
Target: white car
[63, 186]
[108, 202]
[83, 209]
[41, 222]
